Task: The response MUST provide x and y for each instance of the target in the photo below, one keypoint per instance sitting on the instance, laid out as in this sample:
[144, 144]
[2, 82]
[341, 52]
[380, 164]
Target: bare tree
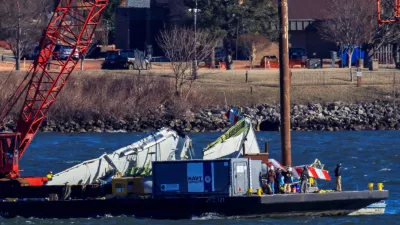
[386, 33]
[348, 23]
[253, 44]
[22, 23]
[179, 47]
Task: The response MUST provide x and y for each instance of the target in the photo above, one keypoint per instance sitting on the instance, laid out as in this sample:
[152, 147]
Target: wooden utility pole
[284, 73]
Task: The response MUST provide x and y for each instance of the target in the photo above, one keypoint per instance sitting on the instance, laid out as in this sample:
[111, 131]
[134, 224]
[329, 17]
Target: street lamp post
[240, 2]
[195, 10]
[237, 37]
[195, 41]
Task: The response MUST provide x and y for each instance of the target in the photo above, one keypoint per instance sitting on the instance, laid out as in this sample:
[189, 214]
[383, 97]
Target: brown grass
[128, 95]
[308, 86]
[97, 95]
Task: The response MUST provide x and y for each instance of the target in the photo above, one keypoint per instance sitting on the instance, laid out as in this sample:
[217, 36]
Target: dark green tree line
[228, 19]
[109, 18]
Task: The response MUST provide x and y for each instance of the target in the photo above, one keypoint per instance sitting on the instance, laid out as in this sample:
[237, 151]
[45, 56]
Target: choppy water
[367, 156]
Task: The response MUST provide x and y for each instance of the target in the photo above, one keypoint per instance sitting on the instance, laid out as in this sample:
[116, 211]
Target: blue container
[297, 188]
[358, 53]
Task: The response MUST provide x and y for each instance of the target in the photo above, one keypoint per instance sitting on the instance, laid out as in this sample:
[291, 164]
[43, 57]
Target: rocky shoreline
[337, 116]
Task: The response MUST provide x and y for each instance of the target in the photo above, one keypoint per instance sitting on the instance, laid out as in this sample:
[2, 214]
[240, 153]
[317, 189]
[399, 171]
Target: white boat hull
[373, 209]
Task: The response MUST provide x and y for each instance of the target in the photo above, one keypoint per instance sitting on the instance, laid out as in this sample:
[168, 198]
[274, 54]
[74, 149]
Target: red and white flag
[312, 172]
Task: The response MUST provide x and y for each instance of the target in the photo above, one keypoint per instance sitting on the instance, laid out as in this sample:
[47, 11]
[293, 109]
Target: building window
[292, 25]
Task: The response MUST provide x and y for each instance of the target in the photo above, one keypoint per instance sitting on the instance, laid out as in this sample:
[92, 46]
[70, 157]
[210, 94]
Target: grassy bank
[308, 86]
[126, 94]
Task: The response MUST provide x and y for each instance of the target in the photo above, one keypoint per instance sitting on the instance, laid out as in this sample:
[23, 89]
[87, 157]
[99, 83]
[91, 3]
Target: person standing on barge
[288, 180]
[338, 175]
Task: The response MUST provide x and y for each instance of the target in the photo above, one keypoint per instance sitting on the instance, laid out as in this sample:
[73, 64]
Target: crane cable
[9, 75]
[24, 89]
[2, 88]
[20, 93]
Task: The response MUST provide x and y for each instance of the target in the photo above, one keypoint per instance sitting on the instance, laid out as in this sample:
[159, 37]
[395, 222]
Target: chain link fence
[345, 78]
[316, 77]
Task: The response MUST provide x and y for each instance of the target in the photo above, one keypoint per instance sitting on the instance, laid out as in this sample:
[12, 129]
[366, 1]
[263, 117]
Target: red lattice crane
[394, 17]
[73, 24]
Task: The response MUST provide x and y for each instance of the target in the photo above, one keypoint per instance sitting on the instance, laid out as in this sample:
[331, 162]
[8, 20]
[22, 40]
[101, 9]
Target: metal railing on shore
[346, 78]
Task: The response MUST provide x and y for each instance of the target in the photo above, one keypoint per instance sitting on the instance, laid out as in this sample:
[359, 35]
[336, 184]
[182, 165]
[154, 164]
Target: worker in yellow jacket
[50, 175]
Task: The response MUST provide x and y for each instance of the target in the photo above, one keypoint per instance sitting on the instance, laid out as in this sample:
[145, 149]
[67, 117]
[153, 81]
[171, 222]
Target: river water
[367, 156]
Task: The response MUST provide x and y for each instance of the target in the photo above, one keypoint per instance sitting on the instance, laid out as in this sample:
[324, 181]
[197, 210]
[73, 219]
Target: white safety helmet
[290, 169]
[272, 168]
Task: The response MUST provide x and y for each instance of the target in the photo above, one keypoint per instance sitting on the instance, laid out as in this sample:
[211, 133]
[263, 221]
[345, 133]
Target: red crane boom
[73, 24]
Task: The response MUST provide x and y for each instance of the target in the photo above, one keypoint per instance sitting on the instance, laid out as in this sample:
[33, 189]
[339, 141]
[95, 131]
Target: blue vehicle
[62, 52]
[126, 59]
[297, 53]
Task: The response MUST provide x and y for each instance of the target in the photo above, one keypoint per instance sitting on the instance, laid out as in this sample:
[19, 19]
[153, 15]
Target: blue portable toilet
[358, 53]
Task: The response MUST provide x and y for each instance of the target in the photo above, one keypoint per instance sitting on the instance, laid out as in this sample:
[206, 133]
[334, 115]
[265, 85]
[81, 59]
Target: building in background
[137, 3]
[138, 22]
[304, 17]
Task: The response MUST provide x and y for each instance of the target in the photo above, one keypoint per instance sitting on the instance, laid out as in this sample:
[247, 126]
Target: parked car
[63, 52]
[110, 59]
[60, 51]
[125, 59]
[269, 58]
[269, 61]
[297, 53]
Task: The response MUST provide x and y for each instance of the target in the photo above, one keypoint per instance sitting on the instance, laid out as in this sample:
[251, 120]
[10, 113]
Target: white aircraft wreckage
[240, 139]
[133, 160]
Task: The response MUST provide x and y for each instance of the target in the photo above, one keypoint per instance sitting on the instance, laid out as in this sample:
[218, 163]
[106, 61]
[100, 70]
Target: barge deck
[316, 204]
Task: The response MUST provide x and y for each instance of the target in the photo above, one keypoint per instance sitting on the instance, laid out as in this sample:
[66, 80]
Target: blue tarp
[357, 54]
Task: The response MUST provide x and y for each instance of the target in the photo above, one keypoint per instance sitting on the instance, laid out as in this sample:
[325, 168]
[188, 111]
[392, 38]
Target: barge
[178, 187]
[223, 187]
[309, 204]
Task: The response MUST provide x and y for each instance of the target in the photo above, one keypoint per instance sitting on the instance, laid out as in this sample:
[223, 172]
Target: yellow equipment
[371, 186]
[259, 191]
[127, 185]
[311, 181]
[380, 186]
